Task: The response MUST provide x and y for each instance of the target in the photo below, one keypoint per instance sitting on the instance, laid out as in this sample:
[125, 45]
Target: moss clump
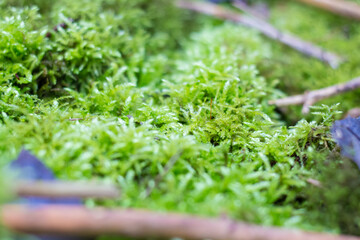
[118, 88]
[335, 205]
[75, 44]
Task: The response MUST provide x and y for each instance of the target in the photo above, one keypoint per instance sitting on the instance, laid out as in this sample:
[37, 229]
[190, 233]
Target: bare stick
[309, 98]
[75, 119]
[65, 189]
[251, 10]
[314, 182]
[354, 113]
[79, 221]
[292, 41]
[341, 7]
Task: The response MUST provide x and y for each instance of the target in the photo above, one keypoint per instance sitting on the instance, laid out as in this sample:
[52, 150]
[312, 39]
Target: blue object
[28, 167]
[346, 133]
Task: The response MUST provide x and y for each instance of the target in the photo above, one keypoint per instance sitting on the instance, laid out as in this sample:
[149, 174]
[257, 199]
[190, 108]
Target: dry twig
[292, 41]
[75, 119]
[309, 98]
[79, 221]
[58, 189]
[341, 7]
[354, 113]
[314, 182]
[253, 11]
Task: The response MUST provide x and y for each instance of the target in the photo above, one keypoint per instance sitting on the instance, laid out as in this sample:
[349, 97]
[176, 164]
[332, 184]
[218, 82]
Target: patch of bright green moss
[120, 87]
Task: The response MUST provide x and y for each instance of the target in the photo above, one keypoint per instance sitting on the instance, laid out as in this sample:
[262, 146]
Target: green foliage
[20, 47]
[88, 42]
[114, 89]
[337, 200]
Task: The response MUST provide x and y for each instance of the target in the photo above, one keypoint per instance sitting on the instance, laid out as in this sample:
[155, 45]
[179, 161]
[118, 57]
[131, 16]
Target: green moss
[87, 42]
[121, 87]
[335, 204]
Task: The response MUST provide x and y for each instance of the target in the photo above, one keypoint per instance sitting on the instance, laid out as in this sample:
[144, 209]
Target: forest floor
[173, 108]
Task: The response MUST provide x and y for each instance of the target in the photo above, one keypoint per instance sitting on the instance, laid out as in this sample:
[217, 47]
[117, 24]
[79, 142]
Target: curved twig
[265, 28]
[310, 98]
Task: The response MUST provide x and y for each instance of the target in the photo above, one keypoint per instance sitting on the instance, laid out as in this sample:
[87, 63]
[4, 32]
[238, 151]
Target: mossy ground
[145, 84]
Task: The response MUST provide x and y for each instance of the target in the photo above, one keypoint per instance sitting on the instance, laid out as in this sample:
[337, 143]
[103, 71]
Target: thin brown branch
[314, 182]
[310, 98]
[354, 113]
[253, 11]
[65, 189]
[80, 221]
[292, 41]
[340, 7]
[75, 119]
